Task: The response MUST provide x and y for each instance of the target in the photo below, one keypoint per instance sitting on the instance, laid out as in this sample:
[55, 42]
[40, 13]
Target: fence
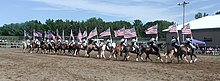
[10, 41]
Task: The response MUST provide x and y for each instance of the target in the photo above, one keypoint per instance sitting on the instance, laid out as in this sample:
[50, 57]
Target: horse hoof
[195, 60]
[137, 59]
[110, 56]
[191, 61]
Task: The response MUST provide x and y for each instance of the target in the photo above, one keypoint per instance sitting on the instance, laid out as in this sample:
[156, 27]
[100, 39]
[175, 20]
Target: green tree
[198, 15]
[217, 13]
[139, 27]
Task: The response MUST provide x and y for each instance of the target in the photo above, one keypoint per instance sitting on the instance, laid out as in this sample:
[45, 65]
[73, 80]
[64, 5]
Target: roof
[202, 23]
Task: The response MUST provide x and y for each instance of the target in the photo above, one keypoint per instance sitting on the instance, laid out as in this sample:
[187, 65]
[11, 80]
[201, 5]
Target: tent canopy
[197, 41]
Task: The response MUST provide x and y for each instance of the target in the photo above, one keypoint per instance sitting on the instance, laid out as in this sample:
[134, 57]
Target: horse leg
[166, 55]
[191, 60]
[75, 51]
[195, 57]
[125, 57]
[88, 52]
[159, 57]
[185, 57]
[37, 49]
[137, 57]
[111, 53]
[24, 49]
[148, 57]
[30, 50]
[178, 59]
[140, 55]
[103, 54]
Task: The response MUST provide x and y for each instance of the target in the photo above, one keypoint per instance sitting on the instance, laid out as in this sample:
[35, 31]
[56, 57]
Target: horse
[71, 47]
[93, 47]
[43, 47]
[34, 44]
[25, 46]
[62, 47]
[80, 46]
[147, 49]
[183, 50]
[119, 49]
[109, 47]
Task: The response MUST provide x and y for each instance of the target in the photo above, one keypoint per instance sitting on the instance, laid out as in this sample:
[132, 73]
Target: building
[205, 29]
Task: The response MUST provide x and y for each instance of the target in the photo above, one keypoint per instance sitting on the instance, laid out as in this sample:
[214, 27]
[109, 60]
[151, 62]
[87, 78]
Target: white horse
[110, 46]
[25, 46]
[102, 50]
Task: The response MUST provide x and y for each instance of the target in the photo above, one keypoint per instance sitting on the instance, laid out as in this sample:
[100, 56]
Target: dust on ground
[18, 66]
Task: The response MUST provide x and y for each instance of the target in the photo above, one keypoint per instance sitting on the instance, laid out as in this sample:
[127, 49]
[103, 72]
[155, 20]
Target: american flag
[172, 29]
[92, 33]
[130, 33]
[186, 29]
[80, 36]
[119, 32]
[50, 36]
[105, 33]
[38, 34]
[152, 30]
[84, 34]
[71, 35]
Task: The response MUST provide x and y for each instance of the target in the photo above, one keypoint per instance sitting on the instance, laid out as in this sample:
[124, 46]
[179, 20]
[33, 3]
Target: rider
[59, 42]
[37, 42]
[109, 44]
[84, 42]
[123, 42]
[72, 42]
[134, 44]
[96, 42]
[28, 42]
[152, 43]
[174, 43]
[189, 43]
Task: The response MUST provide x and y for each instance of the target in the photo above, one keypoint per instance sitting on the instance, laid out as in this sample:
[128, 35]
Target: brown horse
[79, 47]
[182, 50]
[43, 47]
[145, 48]
[33, 46]
[92, 47]
[119, 50]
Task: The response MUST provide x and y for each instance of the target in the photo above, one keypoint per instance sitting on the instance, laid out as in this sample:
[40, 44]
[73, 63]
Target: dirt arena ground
[18, 66]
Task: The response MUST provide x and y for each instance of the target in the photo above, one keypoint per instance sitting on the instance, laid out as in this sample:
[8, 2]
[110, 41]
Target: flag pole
[110, 34]
[87, 34]
[63, 36]
[78, 35]
[33, 34]
[157, 34]
[178, 37]
[136, 34]
[57, 33]
[24, 35]
[71, 32]
[97, 35]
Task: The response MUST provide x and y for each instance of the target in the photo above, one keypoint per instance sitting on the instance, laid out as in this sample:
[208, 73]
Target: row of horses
[115, 49]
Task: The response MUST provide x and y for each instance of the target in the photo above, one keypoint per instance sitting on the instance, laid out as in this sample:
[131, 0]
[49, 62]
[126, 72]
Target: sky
[18, 11]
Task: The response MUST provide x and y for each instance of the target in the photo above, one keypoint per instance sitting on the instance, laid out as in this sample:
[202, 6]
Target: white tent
[203, 23]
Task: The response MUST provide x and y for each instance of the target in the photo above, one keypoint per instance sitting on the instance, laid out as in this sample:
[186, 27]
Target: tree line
[17, 29]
